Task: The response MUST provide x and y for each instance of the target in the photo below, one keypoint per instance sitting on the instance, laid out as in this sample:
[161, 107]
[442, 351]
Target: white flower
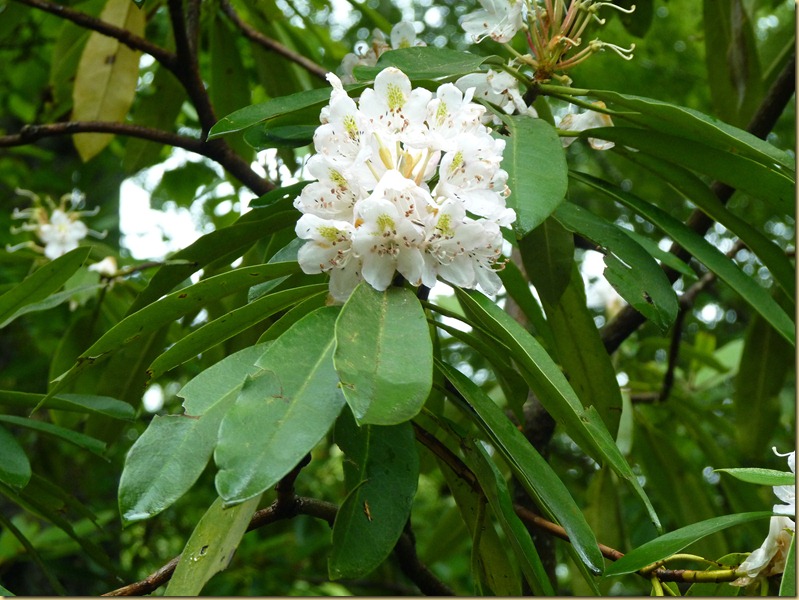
[499, 88]
[61, 234]
[769, 559]
[498, 19]
[106, 267]
[587, 120]
[371, 213]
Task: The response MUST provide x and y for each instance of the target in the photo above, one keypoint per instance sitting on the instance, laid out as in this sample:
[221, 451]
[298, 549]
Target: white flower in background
[769, 559]
[498, 19]
[59, 229]
[587, 120]
[408, 182]
[403, 35]
[106, 267]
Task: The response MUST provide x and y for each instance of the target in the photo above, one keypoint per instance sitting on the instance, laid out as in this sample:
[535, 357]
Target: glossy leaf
[537, 171]
[83, 403]
[703, 251]
[177, 304]
[674, 541]
[694, 189]
[73, 437]
[40, 284]
[385, 467]
[788, 583]
[494, 567]
[217, 245]
[498, 495]
[211, 546]
[427, 62]
[766, 182]
[15, 469]
[281, 413]
[761, 476]
[548, 254]
[630, 269]
[530, 468]
[693, 125]
[168, 458]
[105, 83]
[384, 356]
[228, 325]
[248, 116]
[584, 426]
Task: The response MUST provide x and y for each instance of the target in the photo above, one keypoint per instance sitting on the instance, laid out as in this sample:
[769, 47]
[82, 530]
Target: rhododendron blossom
[408, 182]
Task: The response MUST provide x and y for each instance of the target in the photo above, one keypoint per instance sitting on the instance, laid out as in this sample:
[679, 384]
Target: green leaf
[498, 495]
[211, 546]
[385, 467]
[228, 325]
[630, 269]
[788, 583]
[287, 136]
[171, 454]
[537, 171]
[219, 245]
[548, 254]
[695, 190]
[427, 62]
[40, 284]
[177, 304]
[544, 377]
[731, 55]
[5, 592]
[105, 83]
[384, 355]
[282, 413]
[494, 567]
[15, 469]
[766, 182]
[674, 541]
[73, 437]
[181, 184]
[84, 403]
[757, 297]
[530, 468]
[696, 126]
[761, 476]
[248, 116]
[765, 362]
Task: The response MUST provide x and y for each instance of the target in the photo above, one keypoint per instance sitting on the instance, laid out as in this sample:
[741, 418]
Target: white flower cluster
[408, 181]
[769, 559]
[500, 88]
[403, 35]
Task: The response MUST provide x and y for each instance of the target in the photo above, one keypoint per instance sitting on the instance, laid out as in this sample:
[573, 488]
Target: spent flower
[408, 181]
[403, 35]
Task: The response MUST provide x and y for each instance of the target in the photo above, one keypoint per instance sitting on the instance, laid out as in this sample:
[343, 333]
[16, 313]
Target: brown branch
[415, 570]
[628, 319]
[272, 45]
[215, 150]
[163, 56]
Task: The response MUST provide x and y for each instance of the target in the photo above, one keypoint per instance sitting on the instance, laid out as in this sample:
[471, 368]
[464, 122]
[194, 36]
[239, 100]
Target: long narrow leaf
[757, 297]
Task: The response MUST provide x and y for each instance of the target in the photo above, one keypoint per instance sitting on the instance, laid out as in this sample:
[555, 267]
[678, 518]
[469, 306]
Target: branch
[164, 57]
[215, 150]
[772, 106]
[415, 570]
[272, 45]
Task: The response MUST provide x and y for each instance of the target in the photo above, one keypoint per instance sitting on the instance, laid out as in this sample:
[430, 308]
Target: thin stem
[270, 44]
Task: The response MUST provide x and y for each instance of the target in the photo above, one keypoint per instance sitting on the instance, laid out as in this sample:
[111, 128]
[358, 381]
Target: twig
[628, 319]
[270, 44]
[163, 56]
[415, 570]
[215, 150]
